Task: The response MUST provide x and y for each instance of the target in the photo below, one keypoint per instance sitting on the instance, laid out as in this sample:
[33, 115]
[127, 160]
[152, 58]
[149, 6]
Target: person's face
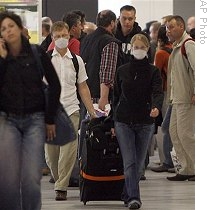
[76, 30]
[60, 34]
[127, 19]
[153, 33]
[174, 31]
[10, 31]
[139, 44]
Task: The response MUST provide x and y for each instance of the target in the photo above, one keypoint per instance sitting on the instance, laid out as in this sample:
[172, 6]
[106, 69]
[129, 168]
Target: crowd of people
[143, 74]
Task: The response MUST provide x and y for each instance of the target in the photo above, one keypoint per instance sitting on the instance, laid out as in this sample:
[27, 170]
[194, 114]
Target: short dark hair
[81, 14]
[128, 8]
[11, 15]
[105, 17]
[71, 19]
[178, 19]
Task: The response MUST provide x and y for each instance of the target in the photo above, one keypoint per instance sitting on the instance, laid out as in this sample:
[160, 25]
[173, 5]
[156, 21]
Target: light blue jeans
[167, 144]
[133, 141]
[21, 147]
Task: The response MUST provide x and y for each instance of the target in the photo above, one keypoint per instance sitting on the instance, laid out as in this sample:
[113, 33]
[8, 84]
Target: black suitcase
[101, 165]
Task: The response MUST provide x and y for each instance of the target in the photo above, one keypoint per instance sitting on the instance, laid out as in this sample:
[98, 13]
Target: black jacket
[91, 49]
[137, 89]
[21, 90]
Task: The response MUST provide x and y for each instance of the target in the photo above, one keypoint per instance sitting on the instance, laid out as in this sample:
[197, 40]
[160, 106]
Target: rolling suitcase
[101, 165]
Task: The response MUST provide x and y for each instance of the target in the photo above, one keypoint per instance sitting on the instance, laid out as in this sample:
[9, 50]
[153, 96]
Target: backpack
[183, 50]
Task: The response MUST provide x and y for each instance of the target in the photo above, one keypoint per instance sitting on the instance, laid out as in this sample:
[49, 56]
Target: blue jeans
[21, 157]
[133, 141]
[167, 144]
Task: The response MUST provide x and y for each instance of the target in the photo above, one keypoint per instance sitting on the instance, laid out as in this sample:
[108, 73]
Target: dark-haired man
[126, 29]
[100, 51]
[182, 94]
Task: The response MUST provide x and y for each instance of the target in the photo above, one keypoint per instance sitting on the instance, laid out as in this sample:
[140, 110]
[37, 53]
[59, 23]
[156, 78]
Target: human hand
[154, 112]
[51, 133]
[3, 50]
[102, 102]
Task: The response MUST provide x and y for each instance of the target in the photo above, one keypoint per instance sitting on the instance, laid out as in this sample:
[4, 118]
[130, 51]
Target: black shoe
[180, 177]
[161, 168]
[192, 179]
[51, 180]
[143, 177]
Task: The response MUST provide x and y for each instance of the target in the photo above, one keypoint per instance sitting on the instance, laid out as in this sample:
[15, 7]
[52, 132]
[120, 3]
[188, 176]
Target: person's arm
[157, 93]
[107, 72]
[53, 85]
[84, 93]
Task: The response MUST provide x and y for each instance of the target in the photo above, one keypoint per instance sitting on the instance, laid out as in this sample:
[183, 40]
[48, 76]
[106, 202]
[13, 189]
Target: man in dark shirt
[126, 29]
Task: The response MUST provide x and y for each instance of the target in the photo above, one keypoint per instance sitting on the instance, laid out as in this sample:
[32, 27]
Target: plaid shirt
[108, 63]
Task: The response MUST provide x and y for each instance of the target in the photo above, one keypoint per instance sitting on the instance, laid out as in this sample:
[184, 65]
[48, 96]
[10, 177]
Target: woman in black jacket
[24, 121]
[138, 99]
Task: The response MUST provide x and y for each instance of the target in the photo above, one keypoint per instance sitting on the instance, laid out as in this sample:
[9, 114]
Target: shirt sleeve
[108, 63]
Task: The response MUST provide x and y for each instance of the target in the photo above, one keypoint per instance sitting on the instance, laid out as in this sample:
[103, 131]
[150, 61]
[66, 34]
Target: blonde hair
[59, 25]
[142, 38]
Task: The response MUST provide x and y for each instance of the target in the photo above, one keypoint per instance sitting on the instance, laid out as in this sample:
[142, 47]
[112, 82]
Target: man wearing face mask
[60, 156]
[137, 101]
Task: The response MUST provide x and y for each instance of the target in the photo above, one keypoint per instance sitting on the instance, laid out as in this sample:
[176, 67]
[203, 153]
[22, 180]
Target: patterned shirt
[108, 63]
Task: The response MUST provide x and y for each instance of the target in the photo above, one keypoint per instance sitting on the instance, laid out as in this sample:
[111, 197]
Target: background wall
[147, 10]
[56, 8]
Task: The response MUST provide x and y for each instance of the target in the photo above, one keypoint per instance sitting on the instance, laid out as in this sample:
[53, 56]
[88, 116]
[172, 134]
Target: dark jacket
[21, 90]
[126, 39]
[91, 48]
[137, 89]
[46, 42]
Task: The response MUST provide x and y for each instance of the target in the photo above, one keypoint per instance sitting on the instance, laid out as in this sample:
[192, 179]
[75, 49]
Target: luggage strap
[101, 178]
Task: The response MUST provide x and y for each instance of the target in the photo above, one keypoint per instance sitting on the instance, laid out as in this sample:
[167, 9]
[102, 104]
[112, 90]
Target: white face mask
[139, 54]
[61, 43]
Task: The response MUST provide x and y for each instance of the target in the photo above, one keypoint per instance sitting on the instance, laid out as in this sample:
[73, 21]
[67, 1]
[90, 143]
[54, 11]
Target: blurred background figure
[190, 23]
[46, 32]
[89, 27]
[25, 33]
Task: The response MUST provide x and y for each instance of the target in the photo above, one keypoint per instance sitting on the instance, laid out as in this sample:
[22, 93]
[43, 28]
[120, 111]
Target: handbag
[65, 131]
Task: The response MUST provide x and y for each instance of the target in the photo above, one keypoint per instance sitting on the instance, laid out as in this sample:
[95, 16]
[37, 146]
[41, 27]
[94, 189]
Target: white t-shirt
[67, 75]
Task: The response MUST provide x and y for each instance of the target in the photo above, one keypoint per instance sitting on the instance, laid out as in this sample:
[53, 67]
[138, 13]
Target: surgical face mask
[139, 53]
[61, 43]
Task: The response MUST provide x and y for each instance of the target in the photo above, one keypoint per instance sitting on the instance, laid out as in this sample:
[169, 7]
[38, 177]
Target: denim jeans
[133, 141]
[21, 157]
[167, 144]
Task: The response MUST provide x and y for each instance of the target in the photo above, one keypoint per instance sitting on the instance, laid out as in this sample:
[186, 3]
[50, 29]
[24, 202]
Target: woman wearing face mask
[23, 116]
[138, 98]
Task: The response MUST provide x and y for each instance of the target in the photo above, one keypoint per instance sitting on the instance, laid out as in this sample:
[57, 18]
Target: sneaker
[61, 195]
[134, 205]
